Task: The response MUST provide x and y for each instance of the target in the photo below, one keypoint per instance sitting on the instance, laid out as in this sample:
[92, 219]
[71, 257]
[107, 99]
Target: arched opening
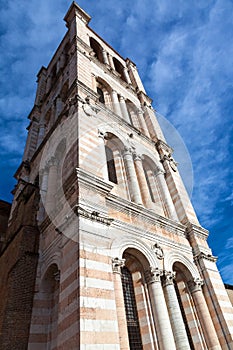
[119, 68]
[97, 49]
[132, 112]
[48, 313]
[115, 164]
[112, 176]
[104, 92]
[187, 307]
[136, 300]
[101, 95]
[135, 339]
[149, 168]
[64, 92]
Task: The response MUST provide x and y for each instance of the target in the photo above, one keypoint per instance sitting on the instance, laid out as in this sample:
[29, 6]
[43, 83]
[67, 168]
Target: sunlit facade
[104, 250]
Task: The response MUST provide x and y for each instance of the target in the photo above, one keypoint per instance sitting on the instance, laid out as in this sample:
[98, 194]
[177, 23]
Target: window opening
[101, 95]
[135, 340]
[111, 165]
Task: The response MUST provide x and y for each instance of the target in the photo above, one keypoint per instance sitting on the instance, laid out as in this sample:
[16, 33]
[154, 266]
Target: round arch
[51, 260]
[189, 269]
[146, 254]
[112, 129]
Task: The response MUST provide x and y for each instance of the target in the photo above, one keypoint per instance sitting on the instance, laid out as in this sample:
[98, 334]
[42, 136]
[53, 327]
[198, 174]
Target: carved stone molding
[117, 264]
[91, 181]
[57, 276]
[102, 134]
[168, 278]
[173, 164]
[204, 256]
[153, 275]
[158, 251]
[138, 157]
[93, 215]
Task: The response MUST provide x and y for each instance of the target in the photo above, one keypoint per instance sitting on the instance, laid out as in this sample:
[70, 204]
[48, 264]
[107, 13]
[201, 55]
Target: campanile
[108, 251]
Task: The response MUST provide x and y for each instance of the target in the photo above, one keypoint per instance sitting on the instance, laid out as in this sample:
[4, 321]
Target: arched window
[119, 68]
[111, 165]
[97, 48]
[46, 314]
[115, 164]
[103, 91]
[132, 112]
[187, 307]
[101, 95]
[156, 196]
[135, 340]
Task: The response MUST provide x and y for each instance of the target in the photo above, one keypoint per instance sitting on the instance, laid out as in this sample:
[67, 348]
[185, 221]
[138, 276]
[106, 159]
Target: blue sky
[183, 50]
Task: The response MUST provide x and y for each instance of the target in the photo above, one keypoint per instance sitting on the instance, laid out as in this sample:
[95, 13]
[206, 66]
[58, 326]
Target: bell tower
[122, 262]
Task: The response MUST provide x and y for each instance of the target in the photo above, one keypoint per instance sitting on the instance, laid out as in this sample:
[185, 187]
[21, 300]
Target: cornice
[89, 180]
[146, 215]
[93, 215]
[198, 231]
[204, 256]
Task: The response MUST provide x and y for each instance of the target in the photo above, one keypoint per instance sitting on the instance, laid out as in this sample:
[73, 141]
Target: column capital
[153, 275]
[195, 285]
[139, 110]
[168, 278]
[138, 157]
[117, 264]
[44, 170]
[52, 162]
[127, 151]
[159, 171]
[121, 98]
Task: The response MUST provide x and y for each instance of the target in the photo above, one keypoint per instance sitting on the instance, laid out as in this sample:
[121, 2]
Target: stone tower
[104, 250]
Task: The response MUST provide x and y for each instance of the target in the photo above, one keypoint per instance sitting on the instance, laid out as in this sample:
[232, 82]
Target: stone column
[142, 123]
[59, 105]
[111, 61]
[124, 110]
[159, 310]
[120, 305]
[176, 319]
[166, 194]
[131, 176]
[115, 103]
[105, 56]
[94, 85]
[41, 134]
[126, 75]
[145, 193]
[52, 185]
[102, 155]
[195, 287]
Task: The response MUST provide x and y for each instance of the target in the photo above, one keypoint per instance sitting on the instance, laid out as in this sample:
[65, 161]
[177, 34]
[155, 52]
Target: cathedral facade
[103, 249]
